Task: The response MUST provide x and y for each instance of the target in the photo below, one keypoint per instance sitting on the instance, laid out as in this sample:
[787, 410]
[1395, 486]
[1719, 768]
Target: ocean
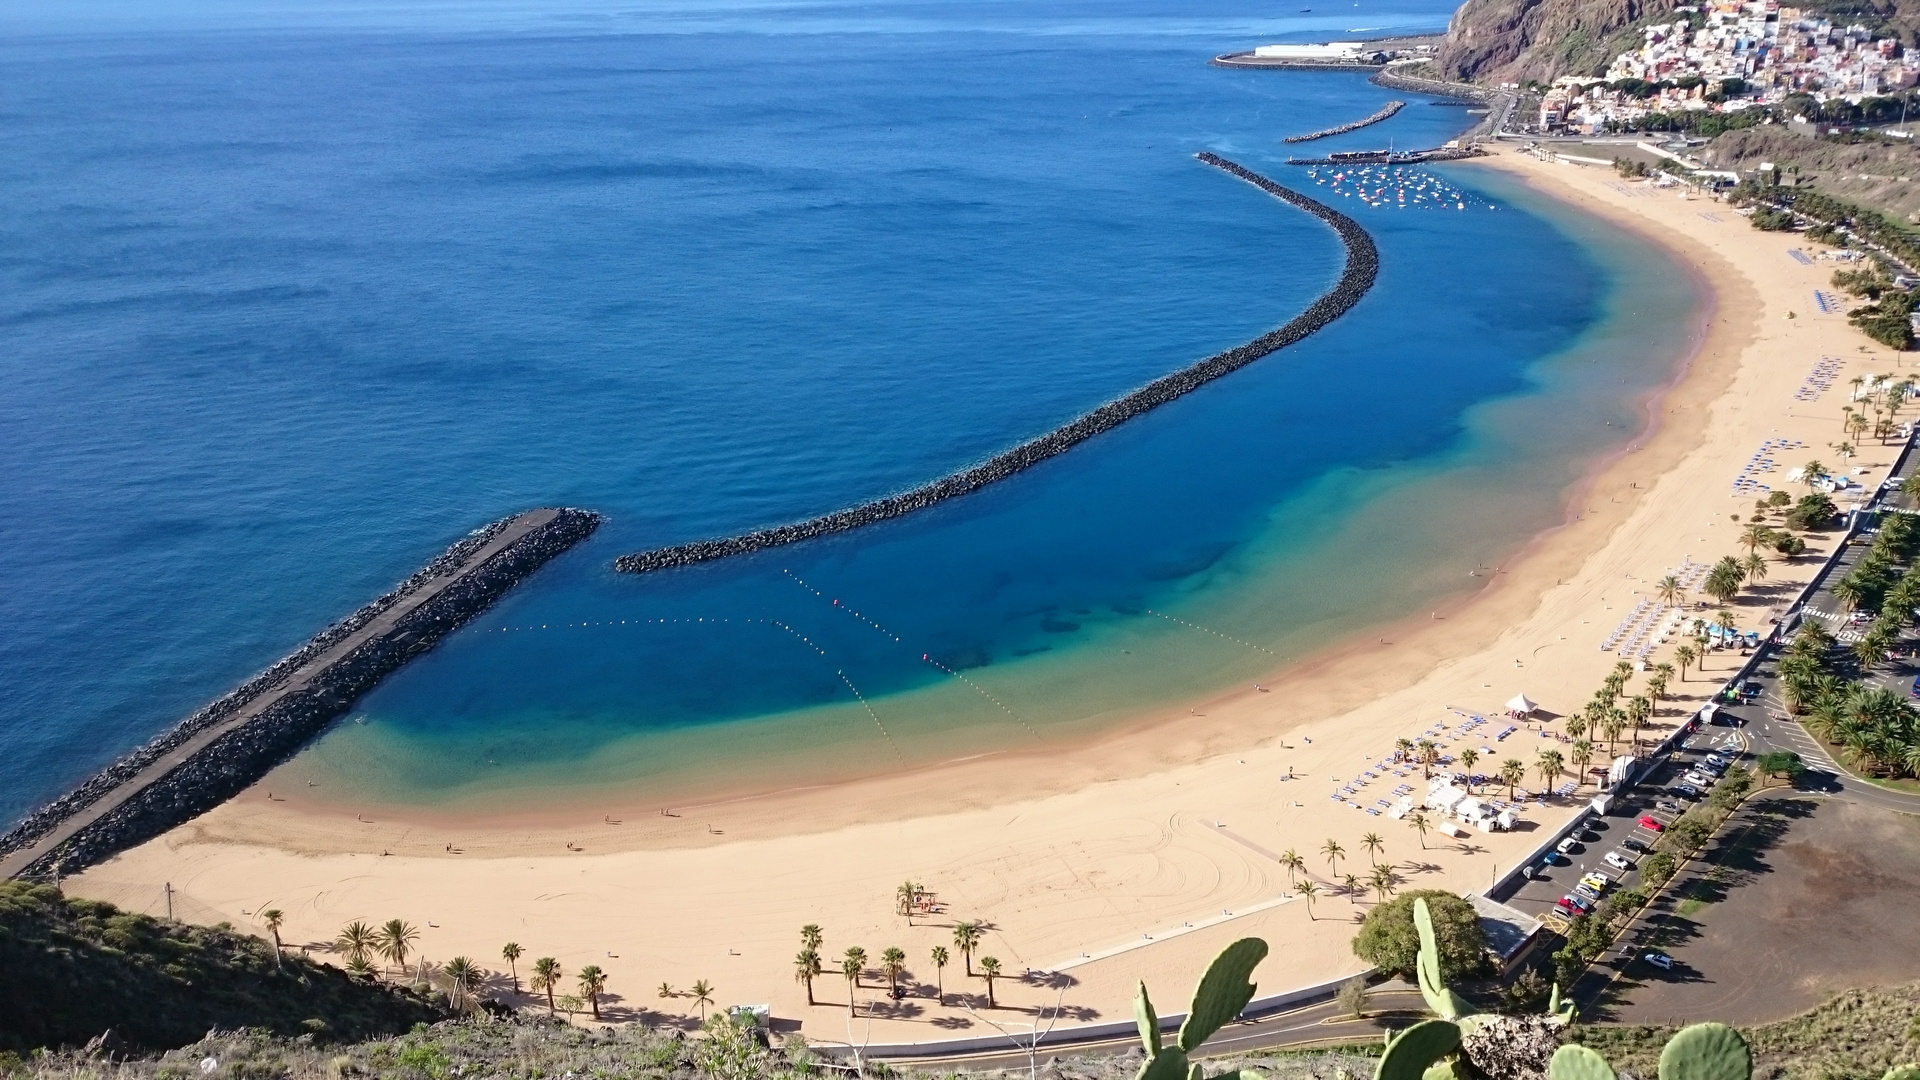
[298, 294]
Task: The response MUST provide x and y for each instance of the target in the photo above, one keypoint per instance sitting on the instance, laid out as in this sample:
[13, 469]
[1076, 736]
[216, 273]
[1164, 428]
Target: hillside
[1868, 172]
[1499, 41]
[1496, 41]
[74, 969]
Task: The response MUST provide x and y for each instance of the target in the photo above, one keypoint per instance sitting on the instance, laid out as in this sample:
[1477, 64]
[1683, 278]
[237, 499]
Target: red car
[1647, 821]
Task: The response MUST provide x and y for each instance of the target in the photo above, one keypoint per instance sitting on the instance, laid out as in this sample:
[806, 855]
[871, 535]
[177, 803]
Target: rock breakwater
[1386, 111]
[1362, 266]
[215, 753]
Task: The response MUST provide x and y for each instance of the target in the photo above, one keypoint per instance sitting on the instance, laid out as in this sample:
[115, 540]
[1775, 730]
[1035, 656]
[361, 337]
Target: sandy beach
[1138, 856]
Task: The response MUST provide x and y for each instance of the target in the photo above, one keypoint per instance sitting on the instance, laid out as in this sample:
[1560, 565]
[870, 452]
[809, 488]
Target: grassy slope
[1860, 1033]
[71, 969]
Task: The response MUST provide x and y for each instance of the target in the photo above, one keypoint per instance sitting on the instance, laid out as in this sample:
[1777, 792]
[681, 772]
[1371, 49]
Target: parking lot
[1618, 830]
[1802, 895]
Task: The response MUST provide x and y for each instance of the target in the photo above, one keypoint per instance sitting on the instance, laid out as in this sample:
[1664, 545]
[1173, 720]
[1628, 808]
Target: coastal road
[1390, 1005]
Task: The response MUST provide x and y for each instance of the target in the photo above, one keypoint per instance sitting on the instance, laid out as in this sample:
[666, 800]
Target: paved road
[1393, 1005]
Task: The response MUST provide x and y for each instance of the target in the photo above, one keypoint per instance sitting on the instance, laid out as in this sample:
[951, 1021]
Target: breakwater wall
[1386, 111]
[218, 751]
[1362, 266]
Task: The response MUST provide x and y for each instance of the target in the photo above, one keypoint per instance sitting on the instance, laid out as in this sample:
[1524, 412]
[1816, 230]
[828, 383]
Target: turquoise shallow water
[296, 295]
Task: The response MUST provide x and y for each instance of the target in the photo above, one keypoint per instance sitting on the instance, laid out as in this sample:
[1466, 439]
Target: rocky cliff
[1500, 41]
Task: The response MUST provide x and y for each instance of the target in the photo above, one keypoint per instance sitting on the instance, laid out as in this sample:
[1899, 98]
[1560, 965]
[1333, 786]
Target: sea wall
[1386, 111]
[1362, 266]
[304, 695]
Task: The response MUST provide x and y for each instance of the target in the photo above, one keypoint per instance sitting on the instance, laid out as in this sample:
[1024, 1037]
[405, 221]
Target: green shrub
[1388, 940]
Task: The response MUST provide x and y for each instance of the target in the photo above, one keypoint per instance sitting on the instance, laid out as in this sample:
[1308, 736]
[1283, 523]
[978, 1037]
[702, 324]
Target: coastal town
[1728, 58]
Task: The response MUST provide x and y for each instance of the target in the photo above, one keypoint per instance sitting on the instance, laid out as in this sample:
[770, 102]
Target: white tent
[1444, 798]
[1521, 705]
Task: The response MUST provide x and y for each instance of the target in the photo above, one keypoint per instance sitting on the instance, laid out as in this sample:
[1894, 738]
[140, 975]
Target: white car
[1698, 780]
[1565, 847]
[1617, 861]
[1658, 959]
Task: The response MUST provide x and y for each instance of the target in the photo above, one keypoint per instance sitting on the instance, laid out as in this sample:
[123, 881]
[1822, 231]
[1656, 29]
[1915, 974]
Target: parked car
[1553, 859]
[1565, 847]
[1632, 844]
[1565, 907]
[1658, 959]
[1650, 823]
[1669, 806]
[1688, 790]
[1588, 893]
[1579, 903]
[1750, 692]
[1618, 861]
[1698, 779]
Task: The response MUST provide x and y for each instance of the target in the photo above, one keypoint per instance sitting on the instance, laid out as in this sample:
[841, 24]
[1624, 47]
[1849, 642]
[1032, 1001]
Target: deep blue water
[295, 296]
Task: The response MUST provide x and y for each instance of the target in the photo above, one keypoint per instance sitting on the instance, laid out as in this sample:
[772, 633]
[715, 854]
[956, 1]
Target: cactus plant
[1224, 990]
[1418, 1049]
[1578, 1063]
[1706, 1052]
[1447, 1004]
[1559, 1007]
[1903, 1072]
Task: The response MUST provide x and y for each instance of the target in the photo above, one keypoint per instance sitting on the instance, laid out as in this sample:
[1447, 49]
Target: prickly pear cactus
[1903, 1072]
[1418, 1049]
[1224, 990]
[1441, 1000]
[1578, 1063]
[1706, 1052]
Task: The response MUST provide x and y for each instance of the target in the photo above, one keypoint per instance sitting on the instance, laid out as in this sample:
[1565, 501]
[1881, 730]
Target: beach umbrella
[1520, 706]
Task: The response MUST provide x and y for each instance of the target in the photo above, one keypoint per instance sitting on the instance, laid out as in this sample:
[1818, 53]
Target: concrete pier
[221, 749]
[1362, 265]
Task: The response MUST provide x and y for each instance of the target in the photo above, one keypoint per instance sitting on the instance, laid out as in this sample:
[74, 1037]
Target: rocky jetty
[1362, 266]
[1386, 111]
[219, 750]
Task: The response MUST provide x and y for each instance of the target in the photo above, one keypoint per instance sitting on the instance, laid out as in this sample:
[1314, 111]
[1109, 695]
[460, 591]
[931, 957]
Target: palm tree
[1684, 655]
[1754, 537]
[1639, 709]
[1332, 850]
[893, 961]
[1755, 565]
[1550, 765]
[702, 996]
[856, 956]
[1850, 591]
[851, 969]
[274, 917]
[966, 938]
[1293, 862]
[1512, 771]
[357, 940]
[1724, 580]
[592, 980]
[1374, 846]
[810, 937]
[1576, 725]
[395, 940]
[1467, 758]
[1418, 819]
[990, 967]
[1615, 723]
[1429, 757]
[1657, 688]
[904, 897]
[461, 974]
[546, 975]
[510, 952]
[1812, 473]
[940, 958]
[1383, 882]
[666, 990]
[1307, 892]
[1669, 591]
[1582, 756]
[806, 968]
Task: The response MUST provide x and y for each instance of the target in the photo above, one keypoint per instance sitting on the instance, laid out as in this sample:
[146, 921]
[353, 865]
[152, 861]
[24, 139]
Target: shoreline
[1124, 841]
